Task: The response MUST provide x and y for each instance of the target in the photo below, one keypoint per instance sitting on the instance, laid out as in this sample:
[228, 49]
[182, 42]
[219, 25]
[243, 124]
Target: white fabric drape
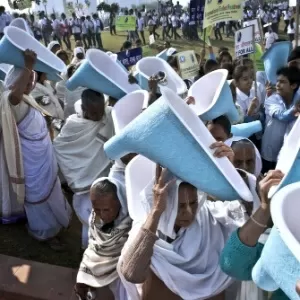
[258, 160]
[192, 272]
[79, 150]
[99, 264]
[54, 108]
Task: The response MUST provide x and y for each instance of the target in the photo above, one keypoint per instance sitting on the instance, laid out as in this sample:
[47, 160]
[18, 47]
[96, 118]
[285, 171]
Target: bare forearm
[152, 221]
[250, 232]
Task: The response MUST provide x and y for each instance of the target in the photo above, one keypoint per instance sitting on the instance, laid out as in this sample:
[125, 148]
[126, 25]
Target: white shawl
[54, 108]
[258, 160]
[99, 264]
[189, 266]
[79, 150]
[12, 145]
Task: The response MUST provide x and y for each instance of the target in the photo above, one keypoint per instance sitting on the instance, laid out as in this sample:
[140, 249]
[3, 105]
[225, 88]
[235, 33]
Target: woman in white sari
[80, 154]
[108, 232]
[28, 178]
[45, 96]
[174, 253]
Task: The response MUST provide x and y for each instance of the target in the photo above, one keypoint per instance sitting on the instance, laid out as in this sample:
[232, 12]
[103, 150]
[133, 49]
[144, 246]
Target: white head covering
[77, 107]
[189, 266]
[258, 160]
[11, 76]
[52, 44]
[78, 50]
[121, 193]
[171, 51]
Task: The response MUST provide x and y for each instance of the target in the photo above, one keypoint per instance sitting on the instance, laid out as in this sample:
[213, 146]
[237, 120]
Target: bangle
[257, 223]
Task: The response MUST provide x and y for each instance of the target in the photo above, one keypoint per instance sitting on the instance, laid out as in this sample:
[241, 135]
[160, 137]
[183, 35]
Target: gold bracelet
[257, 223]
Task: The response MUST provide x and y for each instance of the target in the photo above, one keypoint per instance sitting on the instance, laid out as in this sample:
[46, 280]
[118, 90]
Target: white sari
[81, 158]
[99, 263]
[191, 272]
[31, 176]
[45, 90]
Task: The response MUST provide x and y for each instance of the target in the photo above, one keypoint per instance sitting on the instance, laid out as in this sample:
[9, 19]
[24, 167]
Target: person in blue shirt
[244, 247]
[279, 113]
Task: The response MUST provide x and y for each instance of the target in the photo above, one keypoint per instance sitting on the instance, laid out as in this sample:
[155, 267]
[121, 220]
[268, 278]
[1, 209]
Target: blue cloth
[237, 260]
[276, 125]
[285, 116]
[212, 56]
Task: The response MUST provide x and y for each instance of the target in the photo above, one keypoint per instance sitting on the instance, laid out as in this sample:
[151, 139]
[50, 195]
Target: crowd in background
[198, 245]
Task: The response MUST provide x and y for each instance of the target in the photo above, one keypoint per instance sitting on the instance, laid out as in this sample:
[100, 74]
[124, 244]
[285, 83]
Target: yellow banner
[216, 11]
[188, 64]
[126, 23]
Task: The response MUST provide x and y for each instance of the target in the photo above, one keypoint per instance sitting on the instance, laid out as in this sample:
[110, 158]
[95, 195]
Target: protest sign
[292, 3]
[244, 41]
[216, 11]
[188, 64]
[197, 10]
[126, 23]
[257, 35]
[130, 57]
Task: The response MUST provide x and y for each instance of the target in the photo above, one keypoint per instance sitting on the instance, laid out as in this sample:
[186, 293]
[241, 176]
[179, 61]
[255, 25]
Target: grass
[14, 238]
[114, 43]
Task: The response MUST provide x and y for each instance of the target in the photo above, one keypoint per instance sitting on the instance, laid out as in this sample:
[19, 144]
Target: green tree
[114, 7]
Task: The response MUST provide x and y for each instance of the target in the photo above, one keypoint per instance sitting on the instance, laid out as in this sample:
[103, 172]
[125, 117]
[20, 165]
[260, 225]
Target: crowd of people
[181, 243]
[86, 28]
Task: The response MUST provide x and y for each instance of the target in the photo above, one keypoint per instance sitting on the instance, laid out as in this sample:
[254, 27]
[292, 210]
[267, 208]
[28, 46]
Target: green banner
[126, 23]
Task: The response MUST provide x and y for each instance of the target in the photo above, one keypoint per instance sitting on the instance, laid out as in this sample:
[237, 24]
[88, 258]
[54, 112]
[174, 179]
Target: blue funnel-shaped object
[101, 73]
[21, 24]
[148, 66]
[246, 129]
[277, 267]
[213, 97]
[169, 129]
[275, 58]
[289, 160]
[16, 41]
[128, 108]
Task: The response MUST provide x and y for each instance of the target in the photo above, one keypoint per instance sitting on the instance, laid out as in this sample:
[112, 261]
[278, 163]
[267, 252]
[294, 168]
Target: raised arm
[20, 86]
[135, 265]
[242, 250]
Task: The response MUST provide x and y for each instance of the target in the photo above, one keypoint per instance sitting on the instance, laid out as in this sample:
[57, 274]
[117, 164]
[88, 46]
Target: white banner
[244, 41]
[293, 3]
[257, 35]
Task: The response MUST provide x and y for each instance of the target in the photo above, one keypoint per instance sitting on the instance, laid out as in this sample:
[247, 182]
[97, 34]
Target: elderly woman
[174, 253]
[28, 178]
[109, 227]
[80, 154]
[45, 96]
